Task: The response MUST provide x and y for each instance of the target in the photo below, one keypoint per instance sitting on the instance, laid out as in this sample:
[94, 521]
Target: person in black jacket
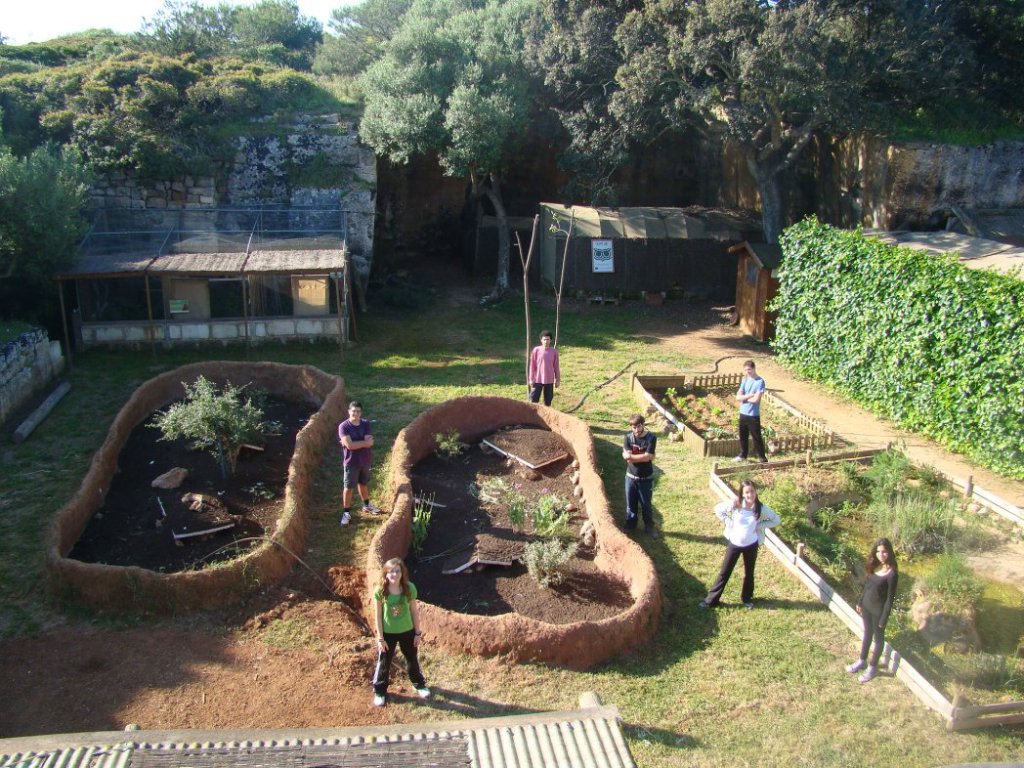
[638, 447]
[874, 606]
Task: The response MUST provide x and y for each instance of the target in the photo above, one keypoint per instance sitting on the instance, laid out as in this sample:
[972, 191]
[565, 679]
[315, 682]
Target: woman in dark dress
[874, 606]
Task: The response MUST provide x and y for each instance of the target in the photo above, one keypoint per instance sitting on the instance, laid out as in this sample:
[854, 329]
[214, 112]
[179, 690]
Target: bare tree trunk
[493, 193]
[526, 292]
[561, 279]
[769, 187]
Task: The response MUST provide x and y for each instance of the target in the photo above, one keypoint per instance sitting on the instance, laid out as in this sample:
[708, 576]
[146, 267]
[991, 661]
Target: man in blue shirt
[749, 396]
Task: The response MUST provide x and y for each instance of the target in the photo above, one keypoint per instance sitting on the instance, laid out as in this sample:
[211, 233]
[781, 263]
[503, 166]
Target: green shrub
[786, 499]
[448, 445]
[218, 421]
[917, 338]
[991, 671]
[548, 516]
[953, 584]
[914, 522]
[546, 560]
[887, 475]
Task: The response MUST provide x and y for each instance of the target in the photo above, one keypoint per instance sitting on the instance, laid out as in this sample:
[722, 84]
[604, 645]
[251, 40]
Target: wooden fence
[820, 436]
[956, 718]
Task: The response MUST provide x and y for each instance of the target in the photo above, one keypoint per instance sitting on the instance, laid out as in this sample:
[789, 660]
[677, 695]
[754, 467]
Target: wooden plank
[983, 722]
[904, 671]
[36, 417]
[990, 709]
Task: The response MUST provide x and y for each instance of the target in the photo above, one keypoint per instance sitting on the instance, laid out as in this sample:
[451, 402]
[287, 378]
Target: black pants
[732, 554]
[871, 631]
[405, 641]
[750, 426]
[536, 389]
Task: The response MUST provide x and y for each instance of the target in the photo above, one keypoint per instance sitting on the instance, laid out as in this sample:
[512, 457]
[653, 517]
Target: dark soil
[475, 488]
[130, 529]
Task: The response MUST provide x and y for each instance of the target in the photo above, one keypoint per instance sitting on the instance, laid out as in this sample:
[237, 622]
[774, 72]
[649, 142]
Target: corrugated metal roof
[203, 263]
[584, 738]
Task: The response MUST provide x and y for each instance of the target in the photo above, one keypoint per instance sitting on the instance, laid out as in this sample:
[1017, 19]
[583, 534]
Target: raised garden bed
[610, 601]
[704, 411]
[825, 536]
[113, 547]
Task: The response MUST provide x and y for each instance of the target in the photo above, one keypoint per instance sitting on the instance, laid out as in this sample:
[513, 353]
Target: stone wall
[27, 365]
[316, 161]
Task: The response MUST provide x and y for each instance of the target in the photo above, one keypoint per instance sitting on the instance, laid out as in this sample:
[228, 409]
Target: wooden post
[808, 457]
[561, 280]
[969, 487]
[149, 314]
[64, 324]
[245, 315]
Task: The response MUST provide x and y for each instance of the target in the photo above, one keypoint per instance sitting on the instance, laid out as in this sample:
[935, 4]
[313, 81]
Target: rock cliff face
[874, 183]
[317, 161]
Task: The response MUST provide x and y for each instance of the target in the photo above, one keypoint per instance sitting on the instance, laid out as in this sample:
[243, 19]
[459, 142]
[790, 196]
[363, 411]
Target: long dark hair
[757, 499]
[873, 562]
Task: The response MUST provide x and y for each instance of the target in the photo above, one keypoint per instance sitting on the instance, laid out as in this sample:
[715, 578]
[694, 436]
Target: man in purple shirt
[356, 442]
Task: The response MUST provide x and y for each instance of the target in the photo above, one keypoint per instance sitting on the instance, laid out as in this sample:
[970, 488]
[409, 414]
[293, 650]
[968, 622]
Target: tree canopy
[765, 75]
[359, 34]
[272, 30]
[452, 81]
[42, 201]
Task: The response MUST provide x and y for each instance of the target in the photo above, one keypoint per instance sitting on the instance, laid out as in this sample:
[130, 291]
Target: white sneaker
[857, 666]
[738, 459]
[423, 693]
[869, 674]
[371, 508]
[346, 518]
[379, 700]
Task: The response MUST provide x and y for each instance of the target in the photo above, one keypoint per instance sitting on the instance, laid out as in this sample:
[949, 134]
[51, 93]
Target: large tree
[42, 199]
[768, 75]
[270, 30]
[452, 81]
[359, 34]
[572, 46]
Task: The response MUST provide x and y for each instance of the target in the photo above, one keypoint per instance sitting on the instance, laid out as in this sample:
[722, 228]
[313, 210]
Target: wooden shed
[617, 251]
[757, 283]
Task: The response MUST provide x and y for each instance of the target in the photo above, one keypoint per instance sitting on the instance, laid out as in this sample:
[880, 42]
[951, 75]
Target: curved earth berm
[578, 645]
[120, 588]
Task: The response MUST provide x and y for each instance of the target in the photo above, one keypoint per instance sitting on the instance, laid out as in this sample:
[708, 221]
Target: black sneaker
[653, 533]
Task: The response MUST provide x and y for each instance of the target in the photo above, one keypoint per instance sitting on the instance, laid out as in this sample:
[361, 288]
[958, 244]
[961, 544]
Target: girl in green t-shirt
[397, 624]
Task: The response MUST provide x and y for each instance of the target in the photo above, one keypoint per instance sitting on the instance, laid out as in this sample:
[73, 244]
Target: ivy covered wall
[920, 339]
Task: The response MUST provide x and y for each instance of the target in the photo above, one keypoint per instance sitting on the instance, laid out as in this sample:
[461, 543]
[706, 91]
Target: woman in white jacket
[746, 520]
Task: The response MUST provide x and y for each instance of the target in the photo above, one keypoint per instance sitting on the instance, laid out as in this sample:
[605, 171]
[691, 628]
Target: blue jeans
[638, 493]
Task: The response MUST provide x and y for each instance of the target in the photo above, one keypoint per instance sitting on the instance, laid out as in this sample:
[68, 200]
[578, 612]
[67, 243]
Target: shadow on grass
[663, 736]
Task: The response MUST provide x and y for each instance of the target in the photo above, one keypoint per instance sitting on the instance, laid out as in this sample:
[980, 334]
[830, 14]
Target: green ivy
[921, 339]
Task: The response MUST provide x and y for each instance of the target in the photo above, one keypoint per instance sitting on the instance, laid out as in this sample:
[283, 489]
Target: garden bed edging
[131, 588]
[578, 645]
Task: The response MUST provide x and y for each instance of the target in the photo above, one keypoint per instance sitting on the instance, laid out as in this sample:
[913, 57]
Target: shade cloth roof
[657, 223]
[211, 242]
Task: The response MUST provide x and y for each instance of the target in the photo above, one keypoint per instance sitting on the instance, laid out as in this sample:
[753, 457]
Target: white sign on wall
[601, 256]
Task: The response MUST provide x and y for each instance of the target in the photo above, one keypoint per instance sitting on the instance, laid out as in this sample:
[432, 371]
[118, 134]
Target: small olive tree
[220, 422]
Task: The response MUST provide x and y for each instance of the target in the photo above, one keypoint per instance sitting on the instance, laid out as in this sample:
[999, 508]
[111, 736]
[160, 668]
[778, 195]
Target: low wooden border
[956, 718]
[820, 435]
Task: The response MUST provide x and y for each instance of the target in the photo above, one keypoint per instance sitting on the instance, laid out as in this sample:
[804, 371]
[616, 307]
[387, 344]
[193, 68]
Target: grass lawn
[727, 687]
